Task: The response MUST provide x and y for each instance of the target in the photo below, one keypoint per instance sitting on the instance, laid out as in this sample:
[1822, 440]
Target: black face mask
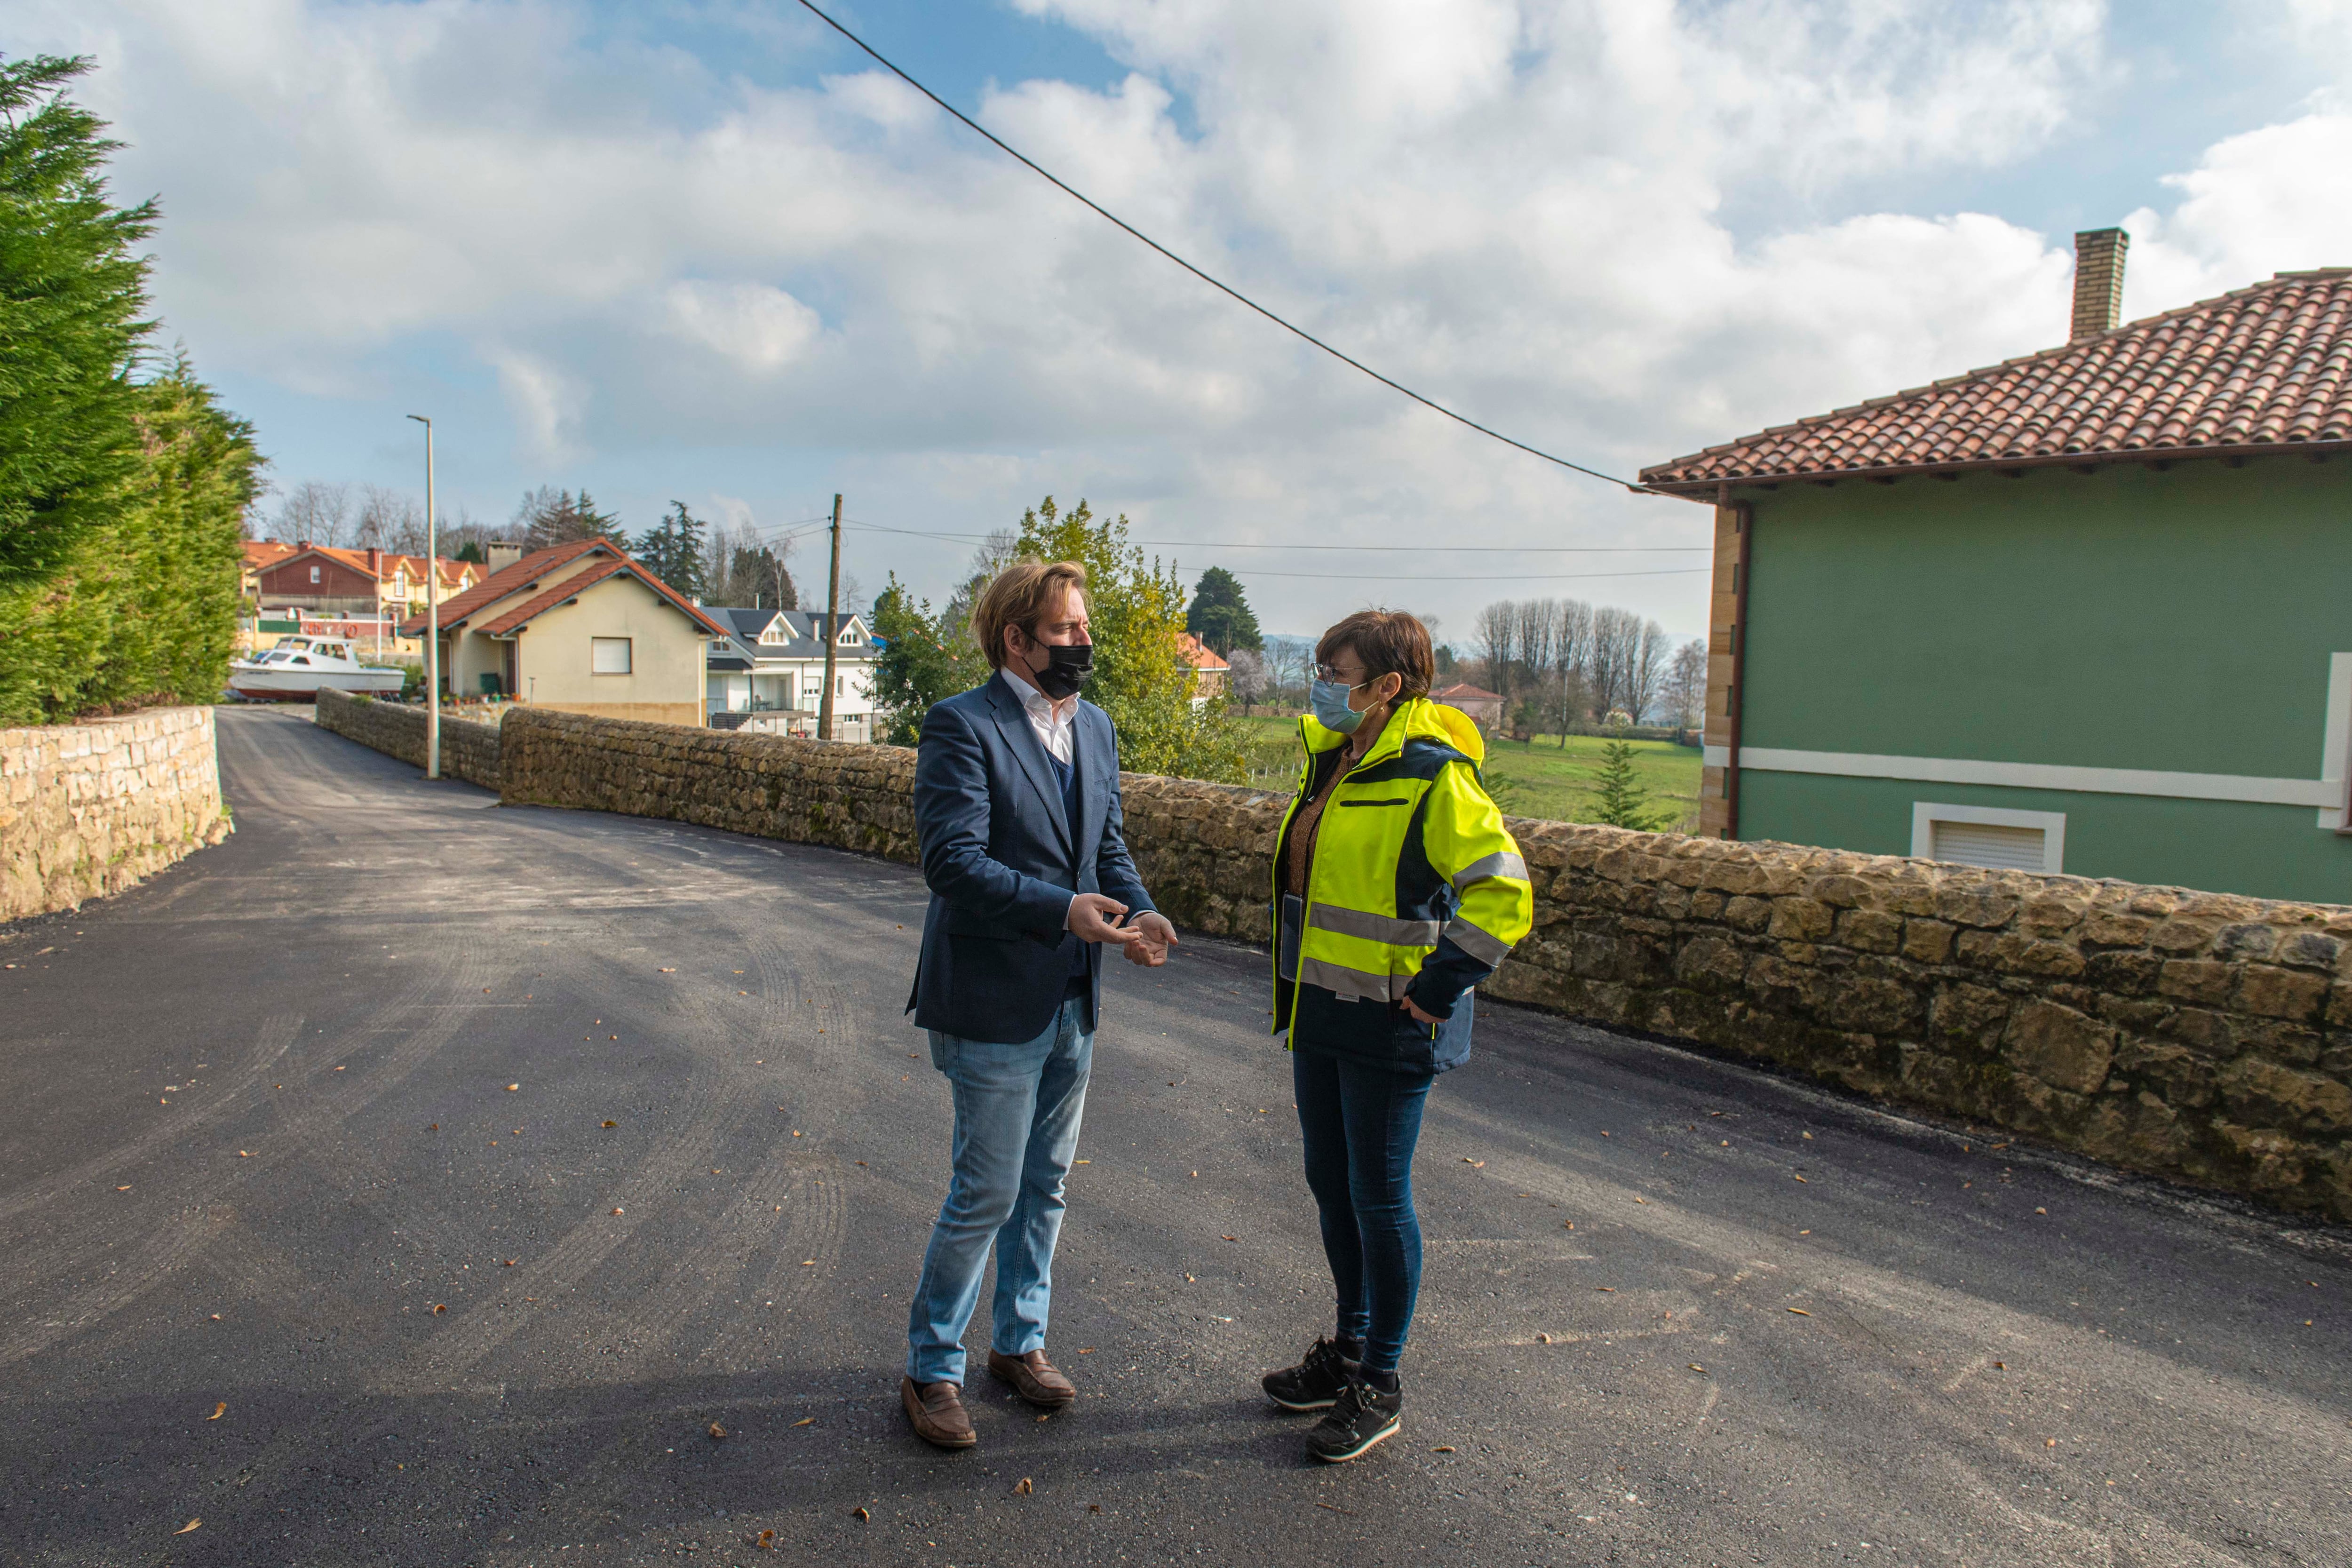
[1067, 666]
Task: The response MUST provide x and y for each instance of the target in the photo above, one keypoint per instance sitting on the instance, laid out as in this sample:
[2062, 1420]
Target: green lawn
[1536, 778]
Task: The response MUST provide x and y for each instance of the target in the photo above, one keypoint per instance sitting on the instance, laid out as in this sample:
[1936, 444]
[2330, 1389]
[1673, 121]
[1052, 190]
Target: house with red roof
[2089, 610]
[583, 629]
[1212, 676]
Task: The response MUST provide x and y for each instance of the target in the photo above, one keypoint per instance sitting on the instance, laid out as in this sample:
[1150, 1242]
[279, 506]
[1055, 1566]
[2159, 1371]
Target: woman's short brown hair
[1021, 595]
[1389, 642]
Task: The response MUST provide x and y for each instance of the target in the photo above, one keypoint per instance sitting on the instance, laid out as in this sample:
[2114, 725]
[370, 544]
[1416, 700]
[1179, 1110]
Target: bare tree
[316, 510]
[1684, 695]
[386, 518]
[1290, 665]
[1248, 678]
[1645, 668]
[1496, 636]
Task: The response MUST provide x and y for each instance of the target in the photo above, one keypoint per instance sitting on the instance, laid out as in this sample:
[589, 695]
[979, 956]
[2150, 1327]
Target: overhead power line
[1354, 549]
[1217, 284]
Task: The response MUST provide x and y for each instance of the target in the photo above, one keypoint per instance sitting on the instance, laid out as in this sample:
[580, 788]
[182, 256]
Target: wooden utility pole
[832, 627]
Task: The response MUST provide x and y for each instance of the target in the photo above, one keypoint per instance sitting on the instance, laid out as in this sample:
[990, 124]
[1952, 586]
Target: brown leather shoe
[1033, 1378]
[936, 1411]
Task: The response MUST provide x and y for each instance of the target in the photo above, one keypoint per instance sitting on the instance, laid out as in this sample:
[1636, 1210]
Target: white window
[1995, 838]
[849, 638]
[836, 685]
[608, 655]
[314, 573]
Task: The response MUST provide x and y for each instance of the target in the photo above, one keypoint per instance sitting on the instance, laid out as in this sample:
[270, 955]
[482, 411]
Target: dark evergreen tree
[550, 516]
[1220, 614]
[73, 316]
[672, 550]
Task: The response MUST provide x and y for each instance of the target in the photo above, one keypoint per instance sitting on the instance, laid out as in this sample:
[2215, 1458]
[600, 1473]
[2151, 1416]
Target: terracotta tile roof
[263, 553]
[387, 563]
[2265, 368]
[508, 581]
[611, 561]
[1465, 692]
[1199, 655]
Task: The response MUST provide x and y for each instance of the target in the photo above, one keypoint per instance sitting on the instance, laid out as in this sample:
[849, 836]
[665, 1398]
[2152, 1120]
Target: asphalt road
[473, 1162]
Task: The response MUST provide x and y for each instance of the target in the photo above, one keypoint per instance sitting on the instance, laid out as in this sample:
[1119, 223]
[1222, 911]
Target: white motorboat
[296, 670]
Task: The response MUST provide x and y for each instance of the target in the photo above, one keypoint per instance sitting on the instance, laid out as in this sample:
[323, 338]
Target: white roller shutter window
[1995, 849]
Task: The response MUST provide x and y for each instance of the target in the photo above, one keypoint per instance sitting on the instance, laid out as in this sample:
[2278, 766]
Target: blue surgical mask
[1327, 701]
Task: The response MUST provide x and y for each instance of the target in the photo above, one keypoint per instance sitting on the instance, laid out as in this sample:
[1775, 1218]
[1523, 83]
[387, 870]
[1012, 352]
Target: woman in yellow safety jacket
[1396, 890]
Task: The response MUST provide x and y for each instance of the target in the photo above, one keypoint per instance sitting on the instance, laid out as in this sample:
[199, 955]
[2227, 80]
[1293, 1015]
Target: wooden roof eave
[1700, 489]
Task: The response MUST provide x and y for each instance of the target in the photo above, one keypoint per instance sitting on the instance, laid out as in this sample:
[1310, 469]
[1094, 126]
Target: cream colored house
[582, 628]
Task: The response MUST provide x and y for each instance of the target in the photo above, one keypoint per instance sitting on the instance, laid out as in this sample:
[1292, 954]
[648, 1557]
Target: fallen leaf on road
[1641, 1200]
[1089, 1350]
[1571, 1224]
[808, 1262]
[861, 1162]
[1334, 1506]
[804, 1421]
[219, 1411]
[611, 1124]
[665, 972]
[2041, 1211]
[187, 1527]
[1801, 1311]
[859, 1513]
[2001, 1366]
[2050, 1443]
[1474, 1165]
[1094, 1508]
[616, 1211]
[1229, 1238]
[215, 1317]
[1082, 1162]
[716, 1429]
[1443, 1448]
[1696, 1367]
[1606, 1289]
[510, 1263]
[440, 1308]
[1799, 1178]
[1543, 1339]
[767, 1542]
[245, 1154]
[122, 1189]
[434, 1128]
[1023, 1486]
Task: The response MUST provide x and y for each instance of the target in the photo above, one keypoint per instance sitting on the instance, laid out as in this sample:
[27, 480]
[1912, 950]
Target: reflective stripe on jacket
[1414, 888]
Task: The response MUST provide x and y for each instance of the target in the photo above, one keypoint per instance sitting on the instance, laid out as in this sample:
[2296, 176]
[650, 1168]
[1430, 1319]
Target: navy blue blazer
[1001, 866]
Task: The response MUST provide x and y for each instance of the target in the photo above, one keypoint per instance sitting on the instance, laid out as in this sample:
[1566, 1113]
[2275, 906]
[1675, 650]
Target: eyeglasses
[1328, 672]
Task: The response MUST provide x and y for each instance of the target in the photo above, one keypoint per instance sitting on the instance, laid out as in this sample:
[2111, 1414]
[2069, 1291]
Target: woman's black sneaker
[1361, 1416]
[1314, 1383]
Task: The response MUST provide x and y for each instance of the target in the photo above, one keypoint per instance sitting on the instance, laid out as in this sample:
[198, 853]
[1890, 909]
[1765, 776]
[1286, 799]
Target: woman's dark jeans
[1360, 1121]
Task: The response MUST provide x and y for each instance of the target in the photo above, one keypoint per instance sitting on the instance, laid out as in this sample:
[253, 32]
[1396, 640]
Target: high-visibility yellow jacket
[1414, 890]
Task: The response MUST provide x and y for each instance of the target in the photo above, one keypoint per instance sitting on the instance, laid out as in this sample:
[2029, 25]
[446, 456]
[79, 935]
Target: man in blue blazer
[1016, 805]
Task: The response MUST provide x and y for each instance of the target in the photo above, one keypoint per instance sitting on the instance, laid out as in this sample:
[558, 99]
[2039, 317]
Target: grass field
[1536, 778]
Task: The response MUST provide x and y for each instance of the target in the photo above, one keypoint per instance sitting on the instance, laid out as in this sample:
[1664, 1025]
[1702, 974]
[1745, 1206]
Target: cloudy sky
[707, 251]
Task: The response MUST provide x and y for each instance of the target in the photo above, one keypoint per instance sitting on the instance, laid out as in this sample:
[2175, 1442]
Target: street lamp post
[431, 615]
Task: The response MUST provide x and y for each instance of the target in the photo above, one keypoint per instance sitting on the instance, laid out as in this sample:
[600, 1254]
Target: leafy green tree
[1220, 614]
[923, 661]
[73, 318]
[1140, 678]
[143, 606]
[1620, 799]
[472, 551]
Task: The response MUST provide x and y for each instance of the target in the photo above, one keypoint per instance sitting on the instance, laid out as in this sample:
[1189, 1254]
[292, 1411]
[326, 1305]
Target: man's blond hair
[1022, 595]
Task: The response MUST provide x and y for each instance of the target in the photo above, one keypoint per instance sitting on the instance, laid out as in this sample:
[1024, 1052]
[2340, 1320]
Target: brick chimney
[2098, 281]
[375, 556]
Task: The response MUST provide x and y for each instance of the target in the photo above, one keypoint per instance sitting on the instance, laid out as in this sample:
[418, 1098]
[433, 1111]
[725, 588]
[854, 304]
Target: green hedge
[122, 494]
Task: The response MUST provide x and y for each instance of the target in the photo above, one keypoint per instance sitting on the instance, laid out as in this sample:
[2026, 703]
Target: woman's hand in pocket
[1416, 1013]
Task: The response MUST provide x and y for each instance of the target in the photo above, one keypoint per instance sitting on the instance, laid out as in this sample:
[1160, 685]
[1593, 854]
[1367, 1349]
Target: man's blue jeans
[1016, 1130]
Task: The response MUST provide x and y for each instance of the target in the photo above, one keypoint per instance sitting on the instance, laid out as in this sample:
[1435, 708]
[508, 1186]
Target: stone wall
[87, 810]
[468, 750]
[2194, 1036]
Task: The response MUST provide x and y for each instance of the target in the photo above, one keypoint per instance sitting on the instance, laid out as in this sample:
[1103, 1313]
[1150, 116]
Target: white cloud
[547, 404]
[1516, 205]
[759, 327]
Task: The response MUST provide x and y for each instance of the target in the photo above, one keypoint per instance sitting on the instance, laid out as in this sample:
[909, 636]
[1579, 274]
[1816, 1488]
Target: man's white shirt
[1056, 732]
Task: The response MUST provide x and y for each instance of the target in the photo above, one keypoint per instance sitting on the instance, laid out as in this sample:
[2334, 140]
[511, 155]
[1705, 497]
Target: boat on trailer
[298, 668]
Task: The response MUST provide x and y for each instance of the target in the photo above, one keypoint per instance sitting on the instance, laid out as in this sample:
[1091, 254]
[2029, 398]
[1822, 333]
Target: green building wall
[2180, 621]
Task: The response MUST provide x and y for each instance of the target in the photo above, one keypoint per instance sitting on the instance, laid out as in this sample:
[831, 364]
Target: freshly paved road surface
[477, 1161]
